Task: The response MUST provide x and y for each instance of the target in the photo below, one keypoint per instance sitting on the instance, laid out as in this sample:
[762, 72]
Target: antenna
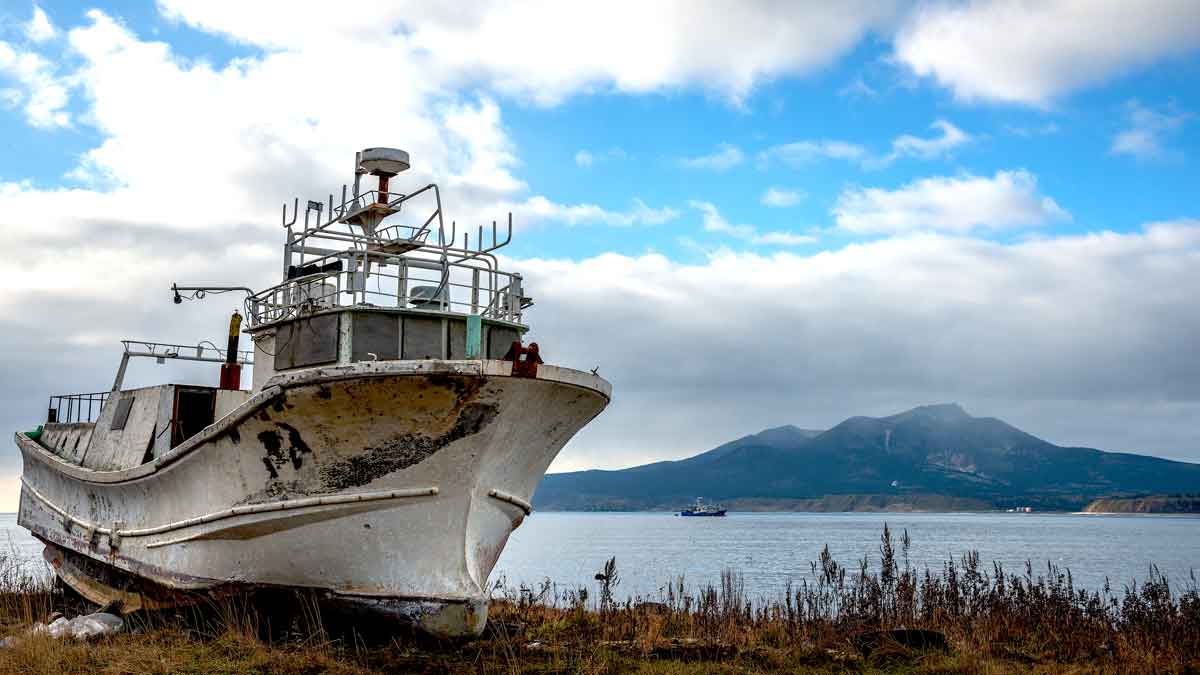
[496, 243]
[295, 213]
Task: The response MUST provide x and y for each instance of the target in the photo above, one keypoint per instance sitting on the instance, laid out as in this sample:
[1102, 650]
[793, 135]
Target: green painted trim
[474, 336]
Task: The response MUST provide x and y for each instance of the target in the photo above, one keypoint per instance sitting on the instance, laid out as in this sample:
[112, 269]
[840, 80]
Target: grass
[844, 619]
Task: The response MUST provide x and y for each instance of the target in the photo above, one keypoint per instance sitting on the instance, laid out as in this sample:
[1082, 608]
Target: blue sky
[1068, 148]
[1051, 146]
[639, 140]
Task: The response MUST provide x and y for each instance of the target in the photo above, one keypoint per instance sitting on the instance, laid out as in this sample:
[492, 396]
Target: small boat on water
[702, 509]
[390, 440]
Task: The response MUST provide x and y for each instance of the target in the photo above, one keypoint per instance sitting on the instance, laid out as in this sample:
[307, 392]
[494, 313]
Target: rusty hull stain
[438, 408]
[275, 490]
[404, 451]
[297, 448]
[272, 442]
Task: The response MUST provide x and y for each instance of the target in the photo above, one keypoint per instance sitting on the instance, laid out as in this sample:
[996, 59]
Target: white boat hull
[388, 486]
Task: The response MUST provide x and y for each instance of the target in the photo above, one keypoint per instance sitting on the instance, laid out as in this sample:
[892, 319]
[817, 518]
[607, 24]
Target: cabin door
[194, 410]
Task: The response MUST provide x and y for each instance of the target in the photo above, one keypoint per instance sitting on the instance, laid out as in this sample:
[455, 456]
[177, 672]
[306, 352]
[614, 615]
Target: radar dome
[383, 161]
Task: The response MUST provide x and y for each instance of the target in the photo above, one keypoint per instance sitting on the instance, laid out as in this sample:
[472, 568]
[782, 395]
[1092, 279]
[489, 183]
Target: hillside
[914, 460]
[1149, 504]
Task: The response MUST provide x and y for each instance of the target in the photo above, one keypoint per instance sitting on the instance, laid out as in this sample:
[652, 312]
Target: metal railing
[394, 281]
[72, 408]
[161, 351]
[353, 253]
[382, 249]
[316, 217]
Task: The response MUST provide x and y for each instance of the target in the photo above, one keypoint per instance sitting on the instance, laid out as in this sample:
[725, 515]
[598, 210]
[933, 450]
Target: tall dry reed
[1035, 614]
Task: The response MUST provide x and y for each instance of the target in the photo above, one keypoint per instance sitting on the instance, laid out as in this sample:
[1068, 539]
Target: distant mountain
[935, 456]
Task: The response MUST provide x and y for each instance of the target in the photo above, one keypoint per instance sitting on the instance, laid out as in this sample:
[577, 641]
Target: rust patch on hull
[404, 451]
[272, 442]
[397, 424]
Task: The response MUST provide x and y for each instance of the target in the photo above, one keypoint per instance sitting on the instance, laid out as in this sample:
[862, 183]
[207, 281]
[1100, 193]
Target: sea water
[769, 550]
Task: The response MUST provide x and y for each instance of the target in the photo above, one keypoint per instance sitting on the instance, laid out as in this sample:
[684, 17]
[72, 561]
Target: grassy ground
[844, 620]
[180, 650]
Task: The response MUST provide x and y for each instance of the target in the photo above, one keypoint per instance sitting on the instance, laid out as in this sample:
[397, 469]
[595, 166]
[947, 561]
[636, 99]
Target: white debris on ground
[81, 627]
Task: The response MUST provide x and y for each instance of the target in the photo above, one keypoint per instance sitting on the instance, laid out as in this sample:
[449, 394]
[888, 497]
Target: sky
[746, 214]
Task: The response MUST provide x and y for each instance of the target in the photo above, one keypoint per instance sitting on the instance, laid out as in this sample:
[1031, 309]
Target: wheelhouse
[377, 275]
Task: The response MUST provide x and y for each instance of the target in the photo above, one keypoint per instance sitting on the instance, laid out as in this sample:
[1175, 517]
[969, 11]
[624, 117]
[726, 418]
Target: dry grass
[993, 621]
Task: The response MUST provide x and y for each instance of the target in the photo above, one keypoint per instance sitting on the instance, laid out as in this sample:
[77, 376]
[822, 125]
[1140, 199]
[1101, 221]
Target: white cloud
[858, 88]
[780, 197]
[1147, 132]
[540, 208]
[546, 51]
[43, 92]
[39, 28]
[802, 152]
[930, 148]
[954, 204]
[725, 157]
[1047, 129]
[782, 239]
[1034, 52]
[1055, 335]
[713, 221]
[906, 145]
[587, 158]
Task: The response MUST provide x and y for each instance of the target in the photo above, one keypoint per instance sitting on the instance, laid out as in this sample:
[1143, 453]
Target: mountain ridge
[932, 454]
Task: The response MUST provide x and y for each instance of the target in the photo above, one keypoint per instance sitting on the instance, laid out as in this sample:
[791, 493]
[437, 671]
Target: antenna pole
[358, 172]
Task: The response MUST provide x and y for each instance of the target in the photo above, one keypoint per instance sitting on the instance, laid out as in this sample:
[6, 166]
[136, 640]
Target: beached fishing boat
[390, 440]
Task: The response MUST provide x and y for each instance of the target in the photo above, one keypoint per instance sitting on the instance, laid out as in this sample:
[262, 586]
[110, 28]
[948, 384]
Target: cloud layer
[546, 51]
[1054, 335]
[953, 204]
[1082, 339]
